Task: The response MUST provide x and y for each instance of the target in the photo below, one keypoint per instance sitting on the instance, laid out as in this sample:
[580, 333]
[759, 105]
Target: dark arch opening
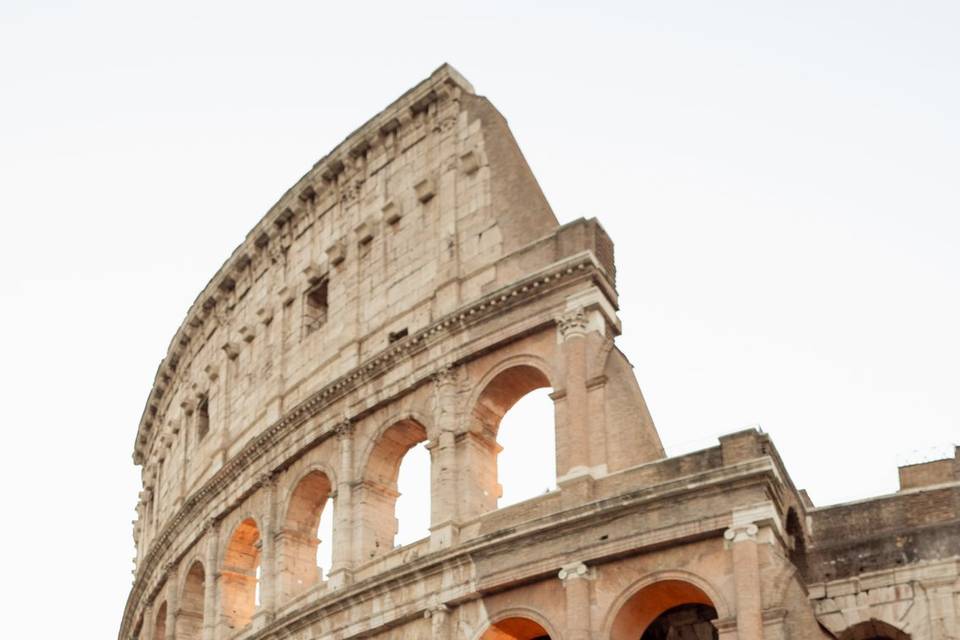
[673, 609]
[873, 629]
[683, 622]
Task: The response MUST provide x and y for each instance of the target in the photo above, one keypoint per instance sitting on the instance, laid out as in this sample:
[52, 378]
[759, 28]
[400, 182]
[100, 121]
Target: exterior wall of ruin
[410, 288]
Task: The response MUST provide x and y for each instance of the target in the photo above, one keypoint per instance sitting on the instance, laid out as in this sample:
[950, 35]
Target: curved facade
[410, 288]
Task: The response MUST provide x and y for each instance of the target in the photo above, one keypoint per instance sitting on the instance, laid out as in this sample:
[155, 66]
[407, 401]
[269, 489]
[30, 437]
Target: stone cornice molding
[583, 265]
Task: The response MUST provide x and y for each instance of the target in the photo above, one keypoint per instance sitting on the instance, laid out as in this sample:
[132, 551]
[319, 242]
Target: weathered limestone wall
[410, 288]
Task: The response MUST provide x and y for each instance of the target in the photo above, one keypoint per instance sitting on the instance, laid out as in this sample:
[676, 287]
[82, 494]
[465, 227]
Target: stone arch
[298, 542]
[518, 623]
[190, 615]
[497, 391]
[650, 597]
[377, 494]
[160, 621]
[873, 629]
[238, 574]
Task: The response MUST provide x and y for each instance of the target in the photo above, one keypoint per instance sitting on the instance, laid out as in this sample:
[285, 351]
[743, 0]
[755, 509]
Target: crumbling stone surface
[410, 288]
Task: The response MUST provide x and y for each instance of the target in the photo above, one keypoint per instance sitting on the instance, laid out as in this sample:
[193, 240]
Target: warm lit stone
[409, 289]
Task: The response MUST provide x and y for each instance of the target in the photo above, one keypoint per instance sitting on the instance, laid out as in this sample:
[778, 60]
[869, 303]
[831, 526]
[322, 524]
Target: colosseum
[411, 288]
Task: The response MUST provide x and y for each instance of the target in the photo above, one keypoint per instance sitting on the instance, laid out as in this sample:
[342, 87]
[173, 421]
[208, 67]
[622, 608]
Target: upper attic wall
[401, 221]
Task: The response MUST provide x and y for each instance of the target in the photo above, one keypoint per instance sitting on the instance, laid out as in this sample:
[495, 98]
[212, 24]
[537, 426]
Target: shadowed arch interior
[241, 560]
[190, 615]
[672, 597]
[298, 538]
[516, 628]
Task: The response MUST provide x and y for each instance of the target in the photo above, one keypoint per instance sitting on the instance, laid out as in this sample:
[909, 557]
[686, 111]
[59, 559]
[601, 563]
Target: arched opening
[516, 629]
[515, 412]
[527, 462]
[301, 546]
[379, 494]
[413, 496]
[873, 629]
[160, 624]
[670, 609]
[240, 575]
[190, 616]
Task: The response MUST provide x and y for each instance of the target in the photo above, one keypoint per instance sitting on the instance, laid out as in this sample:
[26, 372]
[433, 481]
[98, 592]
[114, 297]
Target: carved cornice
[582, 265]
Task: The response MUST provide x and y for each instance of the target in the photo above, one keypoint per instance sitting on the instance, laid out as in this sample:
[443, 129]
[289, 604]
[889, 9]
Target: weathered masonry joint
[407, 292]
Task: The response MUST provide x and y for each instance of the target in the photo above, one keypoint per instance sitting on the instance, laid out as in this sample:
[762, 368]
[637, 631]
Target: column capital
[572, 323]
[575, 571]
[344, 428]
[436, 610]
[443, 376]
[212, 525]
[741, 532]
[266, 480]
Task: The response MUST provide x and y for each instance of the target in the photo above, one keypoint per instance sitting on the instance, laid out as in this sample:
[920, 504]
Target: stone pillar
[210, 578]
[268, 552]
[445, 512]
[576, 579]
[574, 450]
[746, 578]
[343, 558]
[477, 473]
[170, 626]
[375, 524]
[439, 615]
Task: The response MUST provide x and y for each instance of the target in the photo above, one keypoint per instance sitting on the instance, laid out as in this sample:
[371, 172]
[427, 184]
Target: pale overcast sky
[781, 181]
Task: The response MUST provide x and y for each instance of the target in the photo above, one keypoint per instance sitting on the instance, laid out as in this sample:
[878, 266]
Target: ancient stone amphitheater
[411, 287]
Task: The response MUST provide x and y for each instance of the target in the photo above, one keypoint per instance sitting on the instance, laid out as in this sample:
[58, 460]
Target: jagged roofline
[323, 171]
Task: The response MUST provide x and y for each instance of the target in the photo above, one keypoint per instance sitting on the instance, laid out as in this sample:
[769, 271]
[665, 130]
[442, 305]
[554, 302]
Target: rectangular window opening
[315, 307]
[203, 418]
